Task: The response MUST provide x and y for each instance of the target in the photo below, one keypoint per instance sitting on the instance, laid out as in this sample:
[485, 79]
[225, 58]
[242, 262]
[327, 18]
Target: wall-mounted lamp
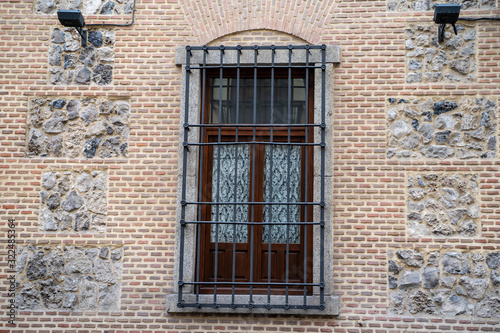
[74, 19]
[446, 14]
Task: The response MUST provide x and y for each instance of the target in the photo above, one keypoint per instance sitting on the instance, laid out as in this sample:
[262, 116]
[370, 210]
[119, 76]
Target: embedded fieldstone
[70, 61]
[70, 301]
[88, 55]
[88, 295]
[396, 303]
[48, 180]
[489, 305]
[479, 271]
[421, 302]
[28, 297]
[89, 114]
[103, 271]
[35, 268]
[107, 8]
[55, 146]
[410, 279]
[92, 6]
[90, 147]
[392, 114]
[443, 230]
[96, 129]
[416, 194]
[55, 264]
[103, 74]
[116, 254]
[435, 151]
[51, 294]
[401, 129]
[393, 282]
[56, 124]
[107, 107]
[71, 45]
[448, 281]
[84, 182]
[475, 288]
[55, 53]
[415, 64]
[73, 108]
[57, 36]
[53, 201]
[95, 37]
[110, 301]
[21, 262]
[45, 7]
[78, 263]
[442, 137]
[71, 283]
[449, 197]
[454, 305]
[430, 277]
[83, 76]
[104, 253]
[456, 215]
[110, 147]
[433, 259]
[462, 65]
[495, 278]
[96, 202]
[63, 184]
[35, 142]
[105, 54]
[411, 257]
[57, 76]
[493, 260]
[468, 228]
[456, 263]
[82, 221]
[73, 201]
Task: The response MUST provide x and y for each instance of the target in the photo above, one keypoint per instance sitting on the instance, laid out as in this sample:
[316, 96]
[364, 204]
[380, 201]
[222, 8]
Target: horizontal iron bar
[256, 47]
[254, 306]
[252, 125]
[274, 143]
[229, 283]
[251, 203]
[253, 223]
[208, 66]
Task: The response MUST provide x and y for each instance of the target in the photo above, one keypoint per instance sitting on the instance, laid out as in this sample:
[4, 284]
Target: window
[254, 231]
[258, 175]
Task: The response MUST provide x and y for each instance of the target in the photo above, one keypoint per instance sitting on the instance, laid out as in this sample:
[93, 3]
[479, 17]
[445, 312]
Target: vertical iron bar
[289, 117]
[200, 180]
[270, 207]
[218, 177]
[184, 168]
[322, 200]
[253, 173]
[235, 170]
[306, 173]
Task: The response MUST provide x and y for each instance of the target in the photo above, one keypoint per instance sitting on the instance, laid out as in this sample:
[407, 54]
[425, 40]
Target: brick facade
[376, 232]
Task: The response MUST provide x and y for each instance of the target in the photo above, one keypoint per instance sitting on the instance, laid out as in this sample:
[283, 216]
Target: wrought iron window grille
[312, 61]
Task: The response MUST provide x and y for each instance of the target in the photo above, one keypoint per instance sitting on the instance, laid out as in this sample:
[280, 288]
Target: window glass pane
[223, 102]
[223, 190]
[282, 184]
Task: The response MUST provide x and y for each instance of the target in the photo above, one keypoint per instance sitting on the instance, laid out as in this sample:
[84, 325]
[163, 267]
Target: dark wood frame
[225, 250]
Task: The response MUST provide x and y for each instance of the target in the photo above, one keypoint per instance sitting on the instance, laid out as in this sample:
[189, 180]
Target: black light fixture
[446, 14]
[74, 19]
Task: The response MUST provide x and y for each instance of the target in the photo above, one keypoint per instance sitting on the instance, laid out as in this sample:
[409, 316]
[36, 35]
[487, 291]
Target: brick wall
[371, 191]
